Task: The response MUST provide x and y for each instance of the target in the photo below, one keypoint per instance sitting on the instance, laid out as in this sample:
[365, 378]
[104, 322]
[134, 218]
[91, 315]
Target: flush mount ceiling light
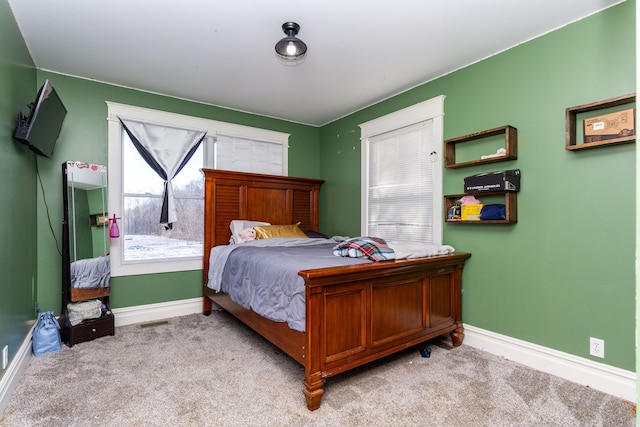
[291, 50]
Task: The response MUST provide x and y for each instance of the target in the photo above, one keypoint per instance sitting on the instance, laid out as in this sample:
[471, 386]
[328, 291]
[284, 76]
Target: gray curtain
[166, 150]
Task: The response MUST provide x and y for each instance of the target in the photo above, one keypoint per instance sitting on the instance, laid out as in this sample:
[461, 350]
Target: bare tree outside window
[144, 237]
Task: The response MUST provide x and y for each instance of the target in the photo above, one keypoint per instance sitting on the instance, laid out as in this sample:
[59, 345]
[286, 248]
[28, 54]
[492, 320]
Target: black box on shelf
[493, 181]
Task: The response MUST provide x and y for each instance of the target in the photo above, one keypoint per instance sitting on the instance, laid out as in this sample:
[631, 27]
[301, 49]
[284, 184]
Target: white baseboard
[10, 378]
[153, 312]
[606, 378]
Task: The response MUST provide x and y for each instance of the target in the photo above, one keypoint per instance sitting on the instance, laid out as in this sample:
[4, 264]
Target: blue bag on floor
[46, 334]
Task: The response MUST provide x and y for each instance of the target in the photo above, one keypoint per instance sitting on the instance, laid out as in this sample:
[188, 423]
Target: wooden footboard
[362, 313]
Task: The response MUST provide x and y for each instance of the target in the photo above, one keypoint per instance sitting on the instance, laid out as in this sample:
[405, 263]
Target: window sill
[134, 268]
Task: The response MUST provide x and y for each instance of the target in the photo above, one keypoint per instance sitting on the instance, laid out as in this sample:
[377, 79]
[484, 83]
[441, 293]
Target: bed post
[313, 391]
[313, 381]
[206, 305]
[457, 335]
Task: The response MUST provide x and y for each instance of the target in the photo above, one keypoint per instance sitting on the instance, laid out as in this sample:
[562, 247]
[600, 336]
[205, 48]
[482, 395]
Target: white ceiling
[222, 52]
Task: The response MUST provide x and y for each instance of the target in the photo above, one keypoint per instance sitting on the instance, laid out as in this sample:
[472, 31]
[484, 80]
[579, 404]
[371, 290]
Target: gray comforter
[262, 275]
[91, 273]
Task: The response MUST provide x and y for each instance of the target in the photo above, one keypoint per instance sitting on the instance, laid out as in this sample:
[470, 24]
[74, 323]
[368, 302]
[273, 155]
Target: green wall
[565, 272]
[83, 240]
[89, 240]
[84, 138]
[17, 190]
[99, 235]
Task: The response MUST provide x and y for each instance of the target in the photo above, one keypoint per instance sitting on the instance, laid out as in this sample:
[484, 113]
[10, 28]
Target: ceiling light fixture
[291, 50]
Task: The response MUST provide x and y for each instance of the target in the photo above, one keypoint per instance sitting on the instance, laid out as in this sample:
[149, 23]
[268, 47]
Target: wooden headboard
[274, 199]
[278, 200]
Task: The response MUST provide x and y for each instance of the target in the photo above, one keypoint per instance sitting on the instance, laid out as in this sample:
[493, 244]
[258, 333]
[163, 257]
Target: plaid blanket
[374, 248]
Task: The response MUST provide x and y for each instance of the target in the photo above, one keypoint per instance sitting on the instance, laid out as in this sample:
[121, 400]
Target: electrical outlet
[596, 347]
[5, 357]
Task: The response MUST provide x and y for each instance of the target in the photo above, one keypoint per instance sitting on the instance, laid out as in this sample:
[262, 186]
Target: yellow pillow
[269, 231]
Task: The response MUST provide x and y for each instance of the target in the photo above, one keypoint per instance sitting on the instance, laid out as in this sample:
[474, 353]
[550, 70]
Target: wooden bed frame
[354, 314]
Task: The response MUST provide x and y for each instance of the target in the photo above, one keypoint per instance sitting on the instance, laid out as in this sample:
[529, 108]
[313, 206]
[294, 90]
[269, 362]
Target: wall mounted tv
[41, 127]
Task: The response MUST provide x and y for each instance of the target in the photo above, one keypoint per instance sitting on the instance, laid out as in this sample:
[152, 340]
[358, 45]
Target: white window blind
[248, 155]
[400, 184]
[402, 173]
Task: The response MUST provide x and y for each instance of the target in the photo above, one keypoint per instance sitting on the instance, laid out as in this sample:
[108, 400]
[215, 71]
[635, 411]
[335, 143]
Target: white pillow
[236, 227]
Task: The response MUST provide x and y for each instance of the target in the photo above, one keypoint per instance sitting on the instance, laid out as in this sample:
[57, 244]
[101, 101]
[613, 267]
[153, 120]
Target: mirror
[86, 264]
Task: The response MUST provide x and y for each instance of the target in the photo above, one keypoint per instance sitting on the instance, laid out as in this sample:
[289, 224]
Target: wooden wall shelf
[511, 146]
[98, 219]
[571, 119]
[510, 201]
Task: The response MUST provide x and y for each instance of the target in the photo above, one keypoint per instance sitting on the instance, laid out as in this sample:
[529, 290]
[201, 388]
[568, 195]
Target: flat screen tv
[41, 127]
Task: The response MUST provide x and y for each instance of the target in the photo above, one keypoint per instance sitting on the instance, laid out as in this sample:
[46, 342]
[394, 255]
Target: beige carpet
[213, 371]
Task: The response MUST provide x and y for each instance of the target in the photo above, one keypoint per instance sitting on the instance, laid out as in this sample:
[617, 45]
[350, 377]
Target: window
[145, 239]
[402, 174]
[135, 190]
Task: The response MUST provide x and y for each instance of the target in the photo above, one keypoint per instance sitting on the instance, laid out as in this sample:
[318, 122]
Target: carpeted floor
[212, 371]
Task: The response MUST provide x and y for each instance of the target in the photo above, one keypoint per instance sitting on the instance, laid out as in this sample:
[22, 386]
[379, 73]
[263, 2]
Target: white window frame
[432, 109]
[119, 267]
